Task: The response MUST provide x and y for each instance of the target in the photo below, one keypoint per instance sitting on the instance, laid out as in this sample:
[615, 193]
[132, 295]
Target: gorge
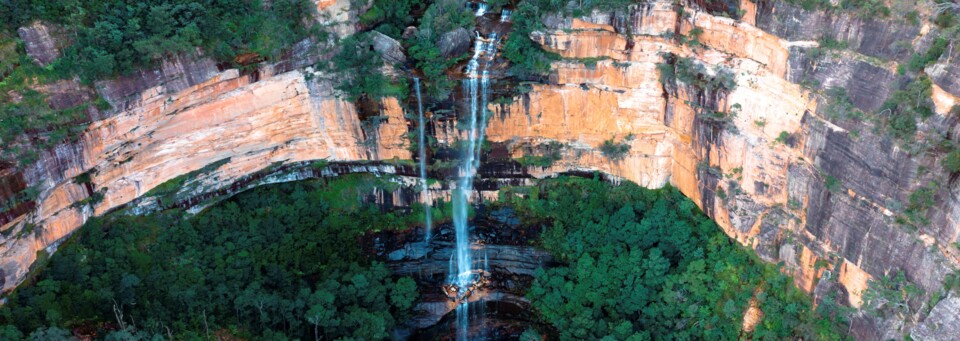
[818, 134]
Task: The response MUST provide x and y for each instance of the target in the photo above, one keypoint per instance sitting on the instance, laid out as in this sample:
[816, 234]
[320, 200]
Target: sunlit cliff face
[765, 191]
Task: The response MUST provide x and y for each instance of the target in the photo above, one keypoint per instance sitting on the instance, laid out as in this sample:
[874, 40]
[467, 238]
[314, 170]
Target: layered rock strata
[762, 158]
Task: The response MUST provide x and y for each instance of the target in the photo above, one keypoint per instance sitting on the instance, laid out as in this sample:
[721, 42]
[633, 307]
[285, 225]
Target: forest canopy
[640, 264]
[279, 261]
[112, 37]
[282, 261]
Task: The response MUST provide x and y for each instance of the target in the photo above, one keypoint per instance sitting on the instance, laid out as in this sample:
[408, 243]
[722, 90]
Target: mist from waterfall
[425, 187]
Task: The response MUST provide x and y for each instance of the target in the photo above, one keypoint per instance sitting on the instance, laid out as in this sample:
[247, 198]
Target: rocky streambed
[505, 258]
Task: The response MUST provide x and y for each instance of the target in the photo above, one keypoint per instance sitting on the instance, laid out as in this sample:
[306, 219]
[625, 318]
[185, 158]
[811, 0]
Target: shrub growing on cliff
[951, 162]
[549, 153]
[889, 295]
[784, 138]
[614, 151]
[906, 105]
[920, 60]
[693, 73]
[919, 203]
[359, 71]
[529, 59]
[441, 17]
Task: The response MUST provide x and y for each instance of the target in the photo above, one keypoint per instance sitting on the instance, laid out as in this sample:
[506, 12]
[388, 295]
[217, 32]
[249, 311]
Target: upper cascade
[481, 9]
[484, 50]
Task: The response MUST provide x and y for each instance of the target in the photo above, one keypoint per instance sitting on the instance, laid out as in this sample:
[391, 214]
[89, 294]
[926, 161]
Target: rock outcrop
[775, 173]
[178, 119]
[388, 48]
[454, 43]
[40, 43]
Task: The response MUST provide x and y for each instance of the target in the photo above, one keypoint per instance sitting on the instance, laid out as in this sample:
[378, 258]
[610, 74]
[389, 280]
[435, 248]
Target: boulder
[455, 43]
[388, 48]
[410, 32]
[40, 42]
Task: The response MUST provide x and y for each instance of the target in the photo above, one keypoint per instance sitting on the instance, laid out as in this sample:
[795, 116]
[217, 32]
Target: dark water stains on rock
[12, 197]
[491, 320]
[880, 38]
[501, 252]
[867, 85]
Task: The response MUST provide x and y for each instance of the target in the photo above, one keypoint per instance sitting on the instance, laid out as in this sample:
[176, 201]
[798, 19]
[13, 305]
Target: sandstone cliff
[822, 196]
[777, 175]
[178, 119]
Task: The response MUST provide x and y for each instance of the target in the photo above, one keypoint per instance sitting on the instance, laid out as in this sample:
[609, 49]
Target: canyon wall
[775, 173]
[180, 118]
[822, 196]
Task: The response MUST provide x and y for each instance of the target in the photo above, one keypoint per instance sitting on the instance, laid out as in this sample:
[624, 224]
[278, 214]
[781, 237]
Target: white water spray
[481, 9]
[505, 15]
[476, 88]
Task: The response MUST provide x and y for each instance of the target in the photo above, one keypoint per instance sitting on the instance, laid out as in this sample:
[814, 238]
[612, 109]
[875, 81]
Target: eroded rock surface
[40, 43]
[455, 43]
[780, 176]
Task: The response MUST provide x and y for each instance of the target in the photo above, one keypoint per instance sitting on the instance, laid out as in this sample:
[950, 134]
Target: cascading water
[481, 9]
[424, 189]
[476, 88]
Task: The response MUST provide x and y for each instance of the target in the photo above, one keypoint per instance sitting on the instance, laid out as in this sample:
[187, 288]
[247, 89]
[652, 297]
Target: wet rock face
[41, 42]
[176, 119]
[825, 191]
[501, 252]
[174, 75]
[12, 185]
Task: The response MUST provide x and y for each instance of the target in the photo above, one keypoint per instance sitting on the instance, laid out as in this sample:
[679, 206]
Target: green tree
[638, 262]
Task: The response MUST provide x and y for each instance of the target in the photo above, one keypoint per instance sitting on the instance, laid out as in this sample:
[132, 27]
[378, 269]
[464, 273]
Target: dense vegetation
[359, 71]
[641, 263]
[441, 17]
[105, 38]
[281, 260]
[119, 36]
[391, 17]
[526, 56]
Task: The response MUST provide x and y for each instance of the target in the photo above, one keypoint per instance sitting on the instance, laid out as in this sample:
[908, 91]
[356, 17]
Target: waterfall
[424, 186]
[476, 89]
[481, 9]
[505, 15]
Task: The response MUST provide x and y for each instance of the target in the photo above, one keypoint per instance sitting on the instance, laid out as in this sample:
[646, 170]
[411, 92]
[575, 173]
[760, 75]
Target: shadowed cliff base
[309, 258]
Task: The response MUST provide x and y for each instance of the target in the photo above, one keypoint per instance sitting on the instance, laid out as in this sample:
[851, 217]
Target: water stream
[463, 277]
[424, 189]
[477, 90]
